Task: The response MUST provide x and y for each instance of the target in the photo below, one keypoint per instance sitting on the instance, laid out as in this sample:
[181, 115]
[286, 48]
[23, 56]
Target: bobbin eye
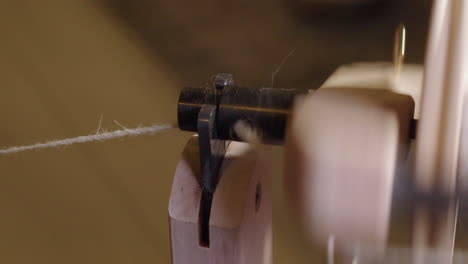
[258, 196]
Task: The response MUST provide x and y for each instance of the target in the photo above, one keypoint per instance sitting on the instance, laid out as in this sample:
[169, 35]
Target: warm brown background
[64, 63]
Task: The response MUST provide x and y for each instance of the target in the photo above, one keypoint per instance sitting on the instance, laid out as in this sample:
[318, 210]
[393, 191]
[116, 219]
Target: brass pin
[399, 48]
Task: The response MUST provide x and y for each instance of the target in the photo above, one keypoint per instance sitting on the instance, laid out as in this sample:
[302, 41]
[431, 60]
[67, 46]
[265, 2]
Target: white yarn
[275, 72]
[83, 139]
[247, 133]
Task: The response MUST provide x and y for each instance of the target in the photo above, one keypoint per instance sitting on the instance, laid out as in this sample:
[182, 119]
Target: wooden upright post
[240, 223]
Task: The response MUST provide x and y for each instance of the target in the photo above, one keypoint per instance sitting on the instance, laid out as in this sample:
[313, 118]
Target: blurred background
[66, 63]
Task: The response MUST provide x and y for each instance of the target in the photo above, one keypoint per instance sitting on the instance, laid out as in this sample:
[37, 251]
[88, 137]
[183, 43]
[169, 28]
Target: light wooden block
[240, 224]
[342, 151]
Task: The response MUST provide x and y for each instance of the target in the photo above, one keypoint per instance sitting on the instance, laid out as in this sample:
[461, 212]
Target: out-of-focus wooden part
[442, 98]
[240, 224]
[342, 151]
[439, 128]
[380, 76]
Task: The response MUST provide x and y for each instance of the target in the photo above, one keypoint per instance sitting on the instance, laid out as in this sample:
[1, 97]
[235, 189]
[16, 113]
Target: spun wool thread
[149, 130]
[276, 71]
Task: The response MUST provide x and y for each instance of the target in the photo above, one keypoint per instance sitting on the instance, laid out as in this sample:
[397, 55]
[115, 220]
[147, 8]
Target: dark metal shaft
[266, 109]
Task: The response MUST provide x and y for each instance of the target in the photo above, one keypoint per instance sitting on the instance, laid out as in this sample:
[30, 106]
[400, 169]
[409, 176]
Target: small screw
[222, 80]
